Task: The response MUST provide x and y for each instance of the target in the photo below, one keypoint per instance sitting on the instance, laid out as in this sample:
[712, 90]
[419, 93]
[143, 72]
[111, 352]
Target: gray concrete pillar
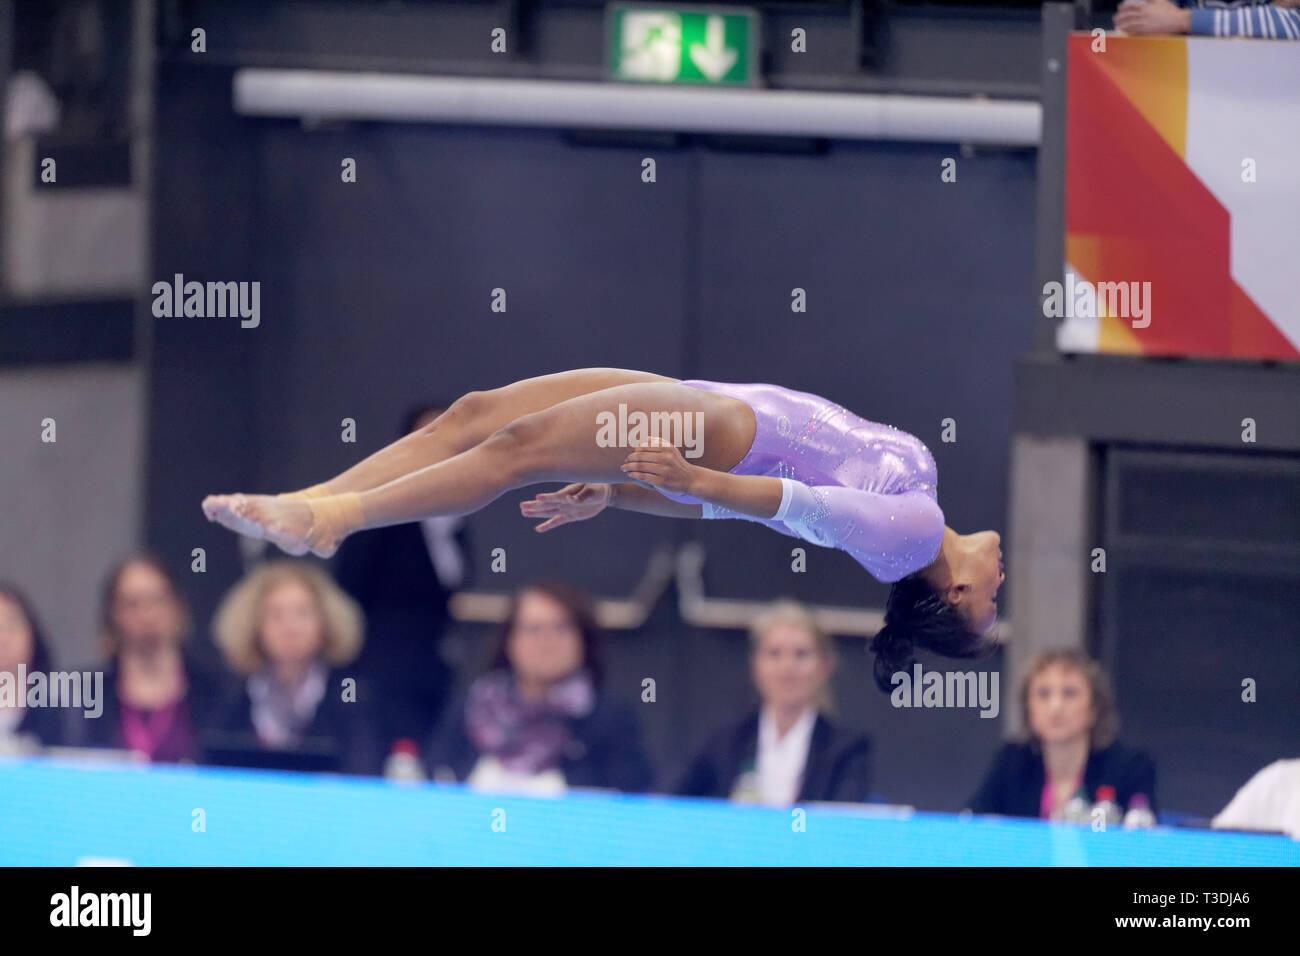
[1050, 543]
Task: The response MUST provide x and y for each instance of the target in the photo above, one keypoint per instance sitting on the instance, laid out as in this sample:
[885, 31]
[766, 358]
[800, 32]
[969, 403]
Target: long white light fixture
[329, 95]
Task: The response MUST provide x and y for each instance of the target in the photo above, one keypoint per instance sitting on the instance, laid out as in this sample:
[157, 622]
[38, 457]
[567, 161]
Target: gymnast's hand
[660, 465]
[571, 503]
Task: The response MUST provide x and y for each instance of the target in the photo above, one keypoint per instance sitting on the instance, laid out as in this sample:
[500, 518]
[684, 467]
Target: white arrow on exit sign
[713, 57]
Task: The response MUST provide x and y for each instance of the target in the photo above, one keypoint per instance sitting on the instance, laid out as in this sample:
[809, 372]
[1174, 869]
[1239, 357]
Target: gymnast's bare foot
[285, 522]
[221, 509]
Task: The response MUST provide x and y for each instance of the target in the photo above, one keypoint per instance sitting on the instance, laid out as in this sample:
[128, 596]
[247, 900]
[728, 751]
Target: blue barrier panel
[55, 812]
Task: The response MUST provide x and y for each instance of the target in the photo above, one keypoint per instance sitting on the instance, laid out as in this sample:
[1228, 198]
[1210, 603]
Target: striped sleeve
[1262, 21]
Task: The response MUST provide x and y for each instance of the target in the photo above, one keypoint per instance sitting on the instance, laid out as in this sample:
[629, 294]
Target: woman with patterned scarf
[538, 720]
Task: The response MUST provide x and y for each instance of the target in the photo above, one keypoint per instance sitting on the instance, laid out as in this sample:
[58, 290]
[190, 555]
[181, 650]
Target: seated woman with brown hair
[23, 649]
[1070, 748]
[157, 695]
[539, 719]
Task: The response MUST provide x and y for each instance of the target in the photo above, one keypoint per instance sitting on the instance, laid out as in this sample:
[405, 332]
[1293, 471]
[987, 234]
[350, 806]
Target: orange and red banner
[1182, 199]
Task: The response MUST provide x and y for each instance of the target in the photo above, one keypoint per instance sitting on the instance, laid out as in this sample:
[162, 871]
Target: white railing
[332, 95]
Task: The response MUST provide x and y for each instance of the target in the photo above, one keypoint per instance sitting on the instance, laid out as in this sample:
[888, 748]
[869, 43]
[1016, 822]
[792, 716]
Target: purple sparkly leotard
[863, 487]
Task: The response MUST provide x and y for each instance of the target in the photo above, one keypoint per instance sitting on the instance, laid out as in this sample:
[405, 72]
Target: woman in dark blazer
[22, 643]
[158, 696]
[1071, 747]
[539, 719]
[339, 736]
[403, 577]
[785, 751]
[292, 633]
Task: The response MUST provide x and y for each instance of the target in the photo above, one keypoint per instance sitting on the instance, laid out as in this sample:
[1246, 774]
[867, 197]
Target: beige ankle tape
[333, 518]
[315, 491]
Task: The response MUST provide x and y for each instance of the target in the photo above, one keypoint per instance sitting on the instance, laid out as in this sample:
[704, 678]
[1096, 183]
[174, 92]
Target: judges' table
[61, 813]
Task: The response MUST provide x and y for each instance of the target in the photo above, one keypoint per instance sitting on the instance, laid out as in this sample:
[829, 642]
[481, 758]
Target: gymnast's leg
[556, 444]
[471, 419]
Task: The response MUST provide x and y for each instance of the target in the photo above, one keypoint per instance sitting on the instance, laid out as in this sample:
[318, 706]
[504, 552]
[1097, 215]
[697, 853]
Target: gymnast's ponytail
[916, 615]
[894, 651]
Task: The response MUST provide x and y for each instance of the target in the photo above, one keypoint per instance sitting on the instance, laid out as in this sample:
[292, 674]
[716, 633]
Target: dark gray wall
[880, 45]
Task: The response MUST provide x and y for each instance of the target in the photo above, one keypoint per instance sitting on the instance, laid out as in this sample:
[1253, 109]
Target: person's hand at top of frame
[1152, 18]
[659, 465]
[1274, 21]
[576, 502]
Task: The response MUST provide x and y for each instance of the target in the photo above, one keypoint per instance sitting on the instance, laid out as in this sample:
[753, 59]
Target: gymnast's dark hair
[916, 615]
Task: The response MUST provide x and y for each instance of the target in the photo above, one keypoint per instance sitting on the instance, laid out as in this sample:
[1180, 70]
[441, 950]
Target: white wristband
[787, 494]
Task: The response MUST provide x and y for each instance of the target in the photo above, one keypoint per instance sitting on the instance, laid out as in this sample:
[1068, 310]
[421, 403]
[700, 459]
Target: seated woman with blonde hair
[785, 751]
[292, 632]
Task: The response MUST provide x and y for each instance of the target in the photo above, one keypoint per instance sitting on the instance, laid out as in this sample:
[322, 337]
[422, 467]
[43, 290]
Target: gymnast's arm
[891, 535]
[660, 467]
[751, 496]
[629, 496]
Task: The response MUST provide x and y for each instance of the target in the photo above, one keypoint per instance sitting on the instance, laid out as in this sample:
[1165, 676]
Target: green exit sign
[714, 46]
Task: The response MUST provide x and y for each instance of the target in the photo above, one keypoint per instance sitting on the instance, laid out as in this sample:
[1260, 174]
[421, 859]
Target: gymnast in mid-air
[798, 463]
